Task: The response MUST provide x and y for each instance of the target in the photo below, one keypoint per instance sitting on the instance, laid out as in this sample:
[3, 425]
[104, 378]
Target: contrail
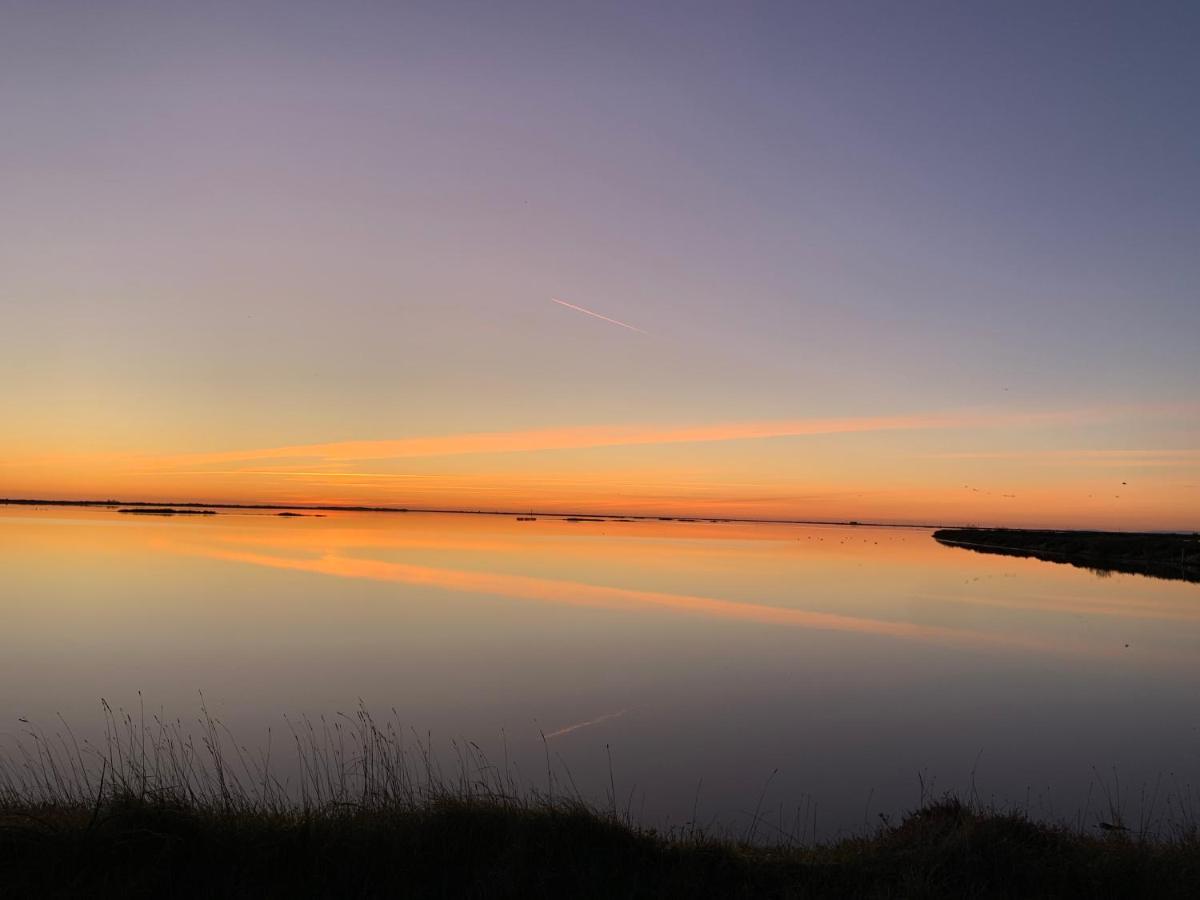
[578, 725]
[596, 315]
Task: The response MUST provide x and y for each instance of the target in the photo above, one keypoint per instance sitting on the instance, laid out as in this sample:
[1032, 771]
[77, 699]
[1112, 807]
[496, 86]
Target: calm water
[705, 656]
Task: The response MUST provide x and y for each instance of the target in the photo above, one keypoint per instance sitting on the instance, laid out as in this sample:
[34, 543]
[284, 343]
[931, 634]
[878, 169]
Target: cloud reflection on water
[575, 593]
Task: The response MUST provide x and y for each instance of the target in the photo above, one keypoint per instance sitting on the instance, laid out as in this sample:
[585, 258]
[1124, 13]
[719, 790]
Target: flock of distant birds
[1014, 496]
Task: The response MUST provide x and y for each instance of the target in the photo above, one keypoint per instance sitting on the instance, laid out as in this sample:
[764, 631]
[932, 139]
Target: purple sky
[247, 225]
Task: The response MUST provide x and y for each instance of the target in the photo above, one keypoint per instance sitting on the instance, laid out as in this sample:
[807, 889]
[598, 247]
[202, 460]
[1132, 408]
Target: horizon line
[17, 501]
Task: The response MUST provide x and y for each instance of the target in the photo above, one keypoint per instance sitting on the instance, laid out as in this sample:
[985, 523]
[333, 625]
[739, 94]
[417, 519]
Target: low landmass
[1172, 556]
[166, 511]
[592, 517]
[184, 504]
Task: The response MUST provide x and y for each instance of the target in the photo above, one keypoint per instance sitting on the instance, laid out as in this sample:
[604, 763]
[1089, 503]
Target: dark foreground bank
[163, 808]
[497, 848]
[1174, 556]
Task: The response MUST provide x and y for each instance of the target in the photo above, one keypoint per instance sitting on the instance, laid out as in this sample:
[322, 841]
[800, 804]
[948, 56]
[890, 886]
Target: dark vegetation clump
[153, 812]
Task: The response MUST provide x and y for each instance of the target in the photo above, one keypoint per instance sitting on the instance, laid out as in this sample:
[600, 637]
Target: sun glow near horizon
[894, 469]
[724, 262]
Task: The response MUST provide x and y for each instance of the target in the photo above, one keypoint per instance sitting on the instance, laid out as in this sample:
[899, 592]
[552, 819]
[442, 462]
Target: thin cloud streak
[585, 437]
[292, 473]
[596, 315]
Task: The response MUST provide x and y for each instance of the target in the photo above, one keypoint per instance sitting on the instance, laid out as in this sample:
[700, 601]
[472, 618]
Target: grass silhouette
[156, 809]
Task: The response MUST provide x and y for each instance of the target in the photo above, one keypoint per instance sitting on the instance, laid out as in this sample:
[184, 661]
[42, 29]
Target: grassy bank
[160, 809]
[1174, 556]
[475, 847]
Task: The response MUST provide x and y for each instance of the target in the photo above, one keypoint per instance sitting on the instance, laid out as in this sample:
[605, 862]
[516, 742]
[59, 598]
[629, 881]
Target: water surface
[836, 668]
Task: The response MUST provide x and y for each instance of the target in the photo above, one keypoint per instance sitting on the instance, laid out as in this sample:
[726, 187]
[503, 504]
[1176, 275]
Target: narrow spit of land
[1173, 556]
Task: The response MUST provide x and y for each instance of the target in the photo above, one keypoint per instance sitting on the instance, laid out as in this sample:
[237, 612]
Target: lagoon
[693, 669]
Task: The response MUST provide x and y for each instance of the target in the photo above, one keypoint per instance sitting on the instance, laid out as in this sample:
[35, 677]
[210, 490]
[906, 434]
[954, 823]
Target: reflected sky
[850, 659]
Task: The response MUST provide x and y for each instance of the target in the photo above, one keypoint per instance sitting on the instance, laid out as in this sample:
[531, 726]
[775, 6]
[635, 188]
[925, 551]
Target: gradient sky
[902, 262]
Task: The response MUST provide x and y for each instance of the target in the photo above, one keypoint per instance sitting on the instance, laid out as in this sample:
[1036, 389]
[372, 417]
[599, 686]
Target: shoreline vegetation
[1168, 556]
[153, 811]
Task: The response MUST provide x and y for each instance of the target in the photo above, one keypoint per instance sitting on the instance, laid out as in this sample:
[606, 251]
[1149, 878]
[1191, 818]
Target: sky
[921, 262]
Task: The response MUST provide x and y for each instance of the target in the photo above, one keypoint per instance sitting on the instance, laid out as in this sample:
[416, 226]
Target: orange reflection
[890, 583]
[574, 593]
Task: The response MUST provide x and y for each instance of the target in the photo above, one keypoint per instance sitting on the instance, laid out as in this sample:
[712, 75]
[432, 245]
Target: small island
[166, 511]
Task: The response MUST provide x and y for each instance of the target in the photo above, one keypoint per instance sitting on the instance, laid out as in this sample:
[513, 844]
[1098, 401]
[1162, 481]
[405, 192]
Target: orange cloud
[583, 437]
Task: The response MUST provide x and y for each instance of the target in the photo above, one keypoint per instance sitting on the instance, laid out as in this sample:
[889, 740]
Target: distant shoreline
[574, 516]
